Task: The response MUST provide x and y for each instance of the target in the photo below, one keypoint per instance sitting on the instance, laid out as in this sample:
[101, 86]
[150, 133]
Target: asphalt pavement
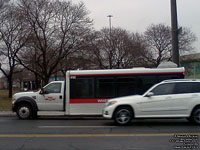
[98, 134]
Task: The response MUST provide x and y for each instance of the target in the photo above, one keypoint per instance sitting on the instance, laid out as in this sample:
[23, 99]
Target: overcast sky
[137, 15]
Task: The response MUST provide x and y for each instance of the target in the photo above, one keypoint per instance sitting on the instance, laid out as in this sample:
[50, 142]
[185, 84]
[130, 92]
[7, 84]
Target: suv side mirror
[149, 94]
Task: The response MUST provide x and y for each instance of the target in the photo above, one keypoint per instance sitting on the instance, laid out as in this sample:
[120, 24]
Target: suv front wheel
[123, 115]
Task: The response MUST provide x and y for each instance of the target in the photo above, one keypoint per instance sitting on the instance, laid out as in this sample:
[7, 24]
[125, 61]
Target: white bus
[84, 92]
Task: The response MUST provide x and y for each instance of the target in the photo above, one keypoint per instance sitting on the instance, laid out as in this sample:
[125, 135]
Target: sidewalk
[7, 114]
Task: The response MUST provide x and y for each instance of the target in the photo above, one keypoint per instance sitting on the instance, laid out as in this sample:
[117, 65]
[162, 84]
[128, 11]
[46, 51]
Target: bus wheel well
[22, 102]
[123, 106]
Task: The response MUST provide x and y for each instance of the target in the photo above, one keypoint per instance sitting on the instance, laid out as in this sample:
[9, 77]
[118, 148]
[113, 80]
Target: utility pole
[174, 31]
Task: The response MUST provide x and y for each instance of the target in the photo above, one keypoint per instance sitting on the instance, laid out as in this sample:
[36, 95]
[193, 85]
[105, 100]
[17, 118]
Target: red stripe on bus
[153, 73]
[96, 100]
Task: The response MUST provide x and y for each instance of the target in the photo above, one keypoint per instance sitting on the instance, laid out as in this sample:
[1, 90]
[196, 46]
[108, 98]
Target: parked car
[178, 98]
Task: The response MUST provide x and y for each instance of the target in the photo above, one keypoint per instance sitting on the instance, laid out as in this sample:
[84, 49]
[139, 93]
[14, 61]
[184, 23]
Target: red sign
[96, 100]
[49, 99]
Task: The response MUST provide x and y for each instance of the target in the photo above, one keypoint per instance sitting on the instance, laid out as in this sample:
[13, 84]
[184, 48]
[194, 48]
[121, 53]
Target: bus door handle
[60, 97]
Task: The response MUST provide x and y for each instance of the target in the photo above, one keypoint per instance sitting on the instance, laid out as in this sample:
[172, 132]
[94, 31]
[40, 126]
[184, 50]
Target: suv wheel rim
[24, 112]
[123, 116]
[197, 116]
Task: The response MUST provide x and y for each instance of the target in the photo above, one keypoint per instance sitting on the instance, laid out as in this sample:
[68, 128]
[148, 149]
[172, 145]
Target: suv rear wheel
[195, 116]
[123, 115]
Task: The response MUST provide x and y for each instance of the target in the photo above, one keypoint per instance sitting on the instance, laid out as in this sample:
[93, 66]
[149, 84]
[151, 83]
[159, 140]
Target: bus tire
[24, 111]
[123, 115]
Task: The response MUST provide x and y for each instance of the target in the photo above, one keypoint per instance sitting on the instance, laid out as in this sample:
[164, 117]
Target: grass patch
[5, 102]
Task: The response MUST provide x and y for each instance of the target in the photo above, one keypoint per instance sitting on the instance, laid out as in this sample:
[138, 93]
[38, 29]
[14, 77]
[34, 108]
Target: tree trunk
[46, 80]
[10, 87]
[37, 82]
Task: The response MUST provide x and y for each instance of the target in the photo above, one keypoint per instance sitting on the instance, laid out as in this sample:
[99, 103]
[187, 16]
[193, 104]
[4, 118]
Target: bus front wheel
[24, 111]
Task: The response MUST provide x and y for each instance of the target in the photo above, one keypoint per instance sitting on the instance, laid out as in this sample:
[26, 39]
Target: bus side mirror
[42, 91]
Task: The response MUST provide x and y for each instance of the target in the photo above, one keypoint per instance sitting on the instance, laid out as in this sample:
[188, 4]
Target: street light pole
[174, 31]
[110, 55]
[110, 16]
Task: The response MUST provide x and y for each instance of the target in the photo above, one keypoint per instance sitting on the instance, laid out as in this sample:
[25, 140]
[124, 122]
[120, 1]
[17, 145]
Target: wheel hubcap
[24, 112]
[123, 116]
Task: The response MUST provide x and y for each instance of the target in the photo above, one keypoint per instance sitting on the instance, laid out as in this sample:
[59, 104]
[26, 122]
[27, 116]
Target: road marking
[91, 135]
[77, 127]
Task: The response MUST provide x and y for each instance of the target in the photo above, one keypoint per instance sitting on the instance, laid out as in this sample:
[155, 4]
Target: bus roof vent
[168, 64]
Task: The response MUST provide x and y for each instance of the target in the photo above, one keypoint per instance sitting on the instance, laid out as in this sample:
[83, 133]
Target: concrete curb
[93, 117]
[7, 114]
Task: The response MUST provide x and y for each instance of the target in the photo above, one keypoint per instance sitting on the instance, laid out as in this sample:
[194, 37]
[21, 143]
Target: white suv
[167, 99]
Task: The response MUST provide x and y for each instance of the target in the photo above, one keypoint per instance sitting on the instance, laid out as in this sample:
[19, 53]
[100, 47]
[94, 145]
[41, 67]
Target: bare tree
[57, 30]
[3, 5]
[186, 38]
[158, 41]
[13, 38]
[92, 50]
[140, 50]
[115, 49]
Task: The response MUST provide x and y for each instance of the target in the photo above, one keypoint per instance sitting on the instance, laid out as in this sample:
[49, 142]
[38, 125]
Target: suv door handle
[168, 97]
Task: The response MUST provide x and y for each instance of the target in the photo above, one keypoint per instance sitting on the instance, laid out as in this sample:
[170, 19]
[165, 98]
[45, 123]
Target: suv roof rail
[171, 80]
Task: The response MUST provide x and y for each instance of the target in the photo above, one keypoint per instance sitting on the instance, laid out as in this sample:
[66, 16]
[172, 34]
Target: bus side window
[53, 88]
[146, 82]
[126, 86]
[105, 87]
[82, 88]
[167, 77]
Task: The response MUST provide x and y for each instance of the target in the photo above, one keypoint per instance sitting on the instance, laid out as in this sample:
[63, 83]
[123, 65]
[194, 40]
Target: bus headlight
[13, 99]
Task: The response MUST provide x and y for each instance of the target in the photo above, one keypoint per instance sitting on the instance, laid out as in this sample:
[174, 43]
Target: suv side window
[164, 89]
[187, 87]
[196, 87]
